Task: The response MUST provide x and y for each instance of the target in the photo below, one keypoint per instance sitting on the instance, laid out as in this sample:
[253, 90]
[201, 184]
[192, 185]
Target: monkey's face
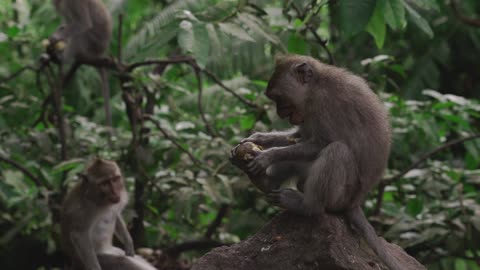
[111, 188]
[289, 95]
[106, 181]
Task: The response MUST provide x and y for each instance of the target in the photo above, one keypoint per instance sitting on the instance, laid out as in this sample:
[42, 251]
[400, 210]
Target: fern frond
[154, 29]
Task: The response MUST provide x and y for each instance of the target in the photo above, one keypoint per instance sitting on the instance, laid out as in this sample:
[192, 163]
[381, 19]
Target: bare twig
[322, 43]
[47, 101]
[222, 212]
[378, 205]
[176, 60]
[209, 128]
[25, 171]
[466, 20]
[119, 38]
[428, 155]
[221, 84]
[172, 140]
[192, 63]
[17, 73]
[423, 158]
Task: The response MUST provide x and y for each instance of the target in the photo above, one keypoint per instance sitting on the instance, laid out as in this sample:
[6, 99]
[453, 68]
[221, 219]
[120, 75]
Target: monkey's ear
[304, 72]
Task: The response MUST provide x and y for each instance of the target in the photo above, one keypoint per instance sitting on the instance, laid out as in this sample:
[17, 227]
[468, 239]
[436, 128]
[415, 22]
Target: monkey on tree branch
[83, 37]
[337, 153]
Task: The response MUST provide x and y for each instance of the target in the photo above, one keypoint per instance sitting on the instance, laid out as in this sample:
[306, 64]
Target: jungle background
[193, 88]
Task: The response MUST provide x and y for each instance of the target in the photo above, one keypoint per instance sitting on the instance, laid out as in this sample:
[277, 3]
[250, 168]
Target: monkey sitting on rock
[338, 151]
[91, 215]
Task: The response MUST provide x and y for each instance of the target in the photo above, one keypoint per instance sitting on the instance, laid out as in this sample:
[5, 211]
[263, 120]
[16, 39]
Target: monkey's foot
[289, 199]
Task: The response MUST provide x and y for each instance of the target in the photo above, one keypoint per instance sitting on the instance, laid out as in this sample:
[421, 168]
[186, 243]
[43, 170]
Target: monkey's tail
[360, 222]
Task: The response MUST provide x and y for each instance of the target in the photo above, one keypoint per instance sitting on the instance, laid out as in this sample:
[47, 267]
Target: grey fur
[87, 32]
[89, 220]
[343, 140]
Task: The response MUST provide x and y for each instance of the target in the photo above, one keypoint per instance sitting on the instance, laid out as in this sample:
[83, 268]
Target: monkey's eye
[116, 178]
[104, 183]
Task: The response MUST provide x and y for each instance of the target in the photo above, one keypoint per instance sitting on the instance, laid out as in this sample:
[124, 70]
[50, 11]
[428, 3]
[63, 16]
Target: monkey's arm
[302, 151]
[124, 236]
[84, 249]
[274, 138]
[78, 18]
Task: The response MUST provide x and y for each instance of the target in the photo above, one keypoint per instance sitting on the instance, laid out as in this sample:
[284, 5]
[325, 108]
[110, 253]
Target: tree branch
[322, 43]
[466, 20]
[24, 170]
[428, 155]
[220, 83]
[119, 37]
[387, 181]
[222, 212]
[172, 140]
[209, 128]
[177, 60]
[17, 73]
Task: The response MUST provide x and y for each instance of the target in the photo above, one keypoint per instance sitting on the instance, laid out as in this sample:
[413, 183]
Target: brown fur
[343, 137]
[89, 218]
[87, 32]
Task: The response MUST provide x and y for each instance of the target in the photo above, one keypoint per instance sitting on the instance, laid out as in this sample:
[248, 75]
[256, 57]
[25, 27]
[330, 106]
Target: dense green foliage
[418, 55]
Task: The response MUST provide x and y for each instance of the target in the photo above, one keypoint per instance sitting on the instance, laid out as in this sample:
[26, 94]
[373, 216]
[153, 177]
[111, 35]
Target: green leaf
[194, 39]
[247, 122]
[376, 27]
[456, 119]
[414, 206]
[185, 37]
[388, 196]
[394, 13]
[236, 31]
[12, 31]
[427, 4]
[68, 165]
[296, 44]
[257, 26]
[355, 15]
[418, 20]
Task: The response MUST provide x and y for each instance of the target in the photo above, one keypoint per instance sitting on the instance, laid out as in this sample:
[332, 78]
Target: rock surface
[294, 242]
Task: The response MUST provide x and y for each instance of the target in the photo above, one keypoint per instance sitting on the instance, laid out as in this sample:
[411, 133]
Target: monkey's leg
[280, 172]
[106, 97]
[74, 67]
[114, 262]
[331, 182]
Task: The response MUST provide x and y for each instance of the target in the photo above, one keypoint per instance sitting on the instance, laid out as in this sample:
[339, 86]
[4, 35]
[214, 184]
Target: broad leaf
[394, 13]
[355, 15]
[296, 44]
[419, 21]
[376, 27]
[235, 30]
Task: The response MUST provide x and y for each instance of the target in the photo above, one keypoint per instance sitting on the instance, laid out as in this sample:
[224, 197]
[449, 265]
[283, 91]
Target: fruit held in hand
[246, 151]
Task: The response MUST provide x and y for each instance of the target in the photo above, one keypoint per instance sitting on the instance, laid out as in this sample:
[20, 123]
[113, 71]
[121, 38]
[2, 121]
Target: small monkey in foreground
[91, 214]
[86, 31]
[341, 145]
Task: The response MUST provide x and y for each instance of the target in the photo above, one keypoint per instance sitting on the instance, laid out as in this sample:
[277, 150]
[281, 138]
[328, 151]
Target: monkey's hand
[129, 251]
[261, 162]
[60, 34]
[263, 139]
